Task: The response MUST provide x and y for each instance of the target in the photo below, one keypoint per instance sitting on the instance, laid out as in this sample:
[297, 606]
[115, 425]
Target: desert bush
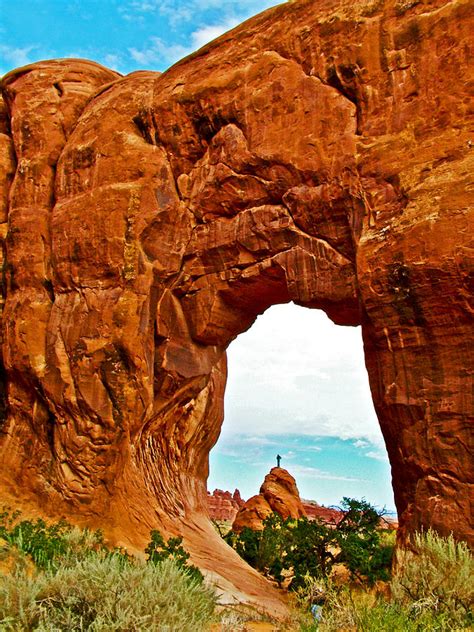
[105, 593]
[49, 544]
[303, 548]
[432, 592]
[82, 543]
[436, 576]
[158, 550]
[77, 583]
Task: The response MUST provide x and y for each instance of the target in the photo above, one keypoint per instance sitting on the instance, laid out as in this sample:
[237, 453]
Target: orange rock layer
[320, 153]
[224, 505]
[278, 494]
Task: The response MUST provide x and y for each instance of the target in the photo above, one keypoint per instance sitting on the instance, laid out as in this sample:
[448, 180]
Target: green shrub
[264, 550]
[105, 593]
[48, 544]
[80, 584]
[158, 550]
[41, 541]
[432, 592]
[437, 576]
[363, 549]
[302, 548]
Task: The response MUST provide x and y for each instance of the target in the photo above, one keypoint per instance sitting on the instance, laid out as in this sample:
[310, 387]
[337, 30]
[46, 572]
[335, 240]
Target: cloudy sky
[297, 383]
[298, 387]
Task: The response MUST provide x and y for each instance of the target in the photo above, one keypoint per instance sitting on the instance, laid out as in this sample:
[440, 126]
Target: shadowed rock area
[320, 153]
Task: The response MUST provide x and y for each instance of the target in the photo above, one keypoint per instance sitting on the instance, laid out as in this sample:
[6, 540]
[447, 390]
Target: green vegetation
[433, 591]
[298, 549]
[436, 576]
[58, 577]
[55, 577]
[49, 545]
[158, 550]
[105, 593]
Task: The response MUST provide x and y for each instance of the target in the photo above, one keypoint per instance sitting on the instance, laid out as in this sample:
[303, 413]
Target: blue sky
[297, 383]
[126, 35]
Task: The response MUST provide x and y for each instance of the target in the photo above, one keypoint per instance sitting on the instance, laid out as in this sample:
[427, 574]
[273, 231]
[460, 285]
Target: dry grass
[105, 593]
[433, 591]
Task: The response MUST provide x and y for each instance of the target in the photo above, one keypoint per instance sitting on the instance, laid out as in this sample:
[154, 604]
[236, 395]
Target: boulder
[278, 494]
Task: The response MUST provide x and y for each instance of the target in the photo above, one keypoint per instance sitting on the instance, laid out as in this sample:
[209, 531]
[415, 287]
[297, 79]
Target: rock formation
[278, 494]
[315, 511]
[224, 505]
[320, 153]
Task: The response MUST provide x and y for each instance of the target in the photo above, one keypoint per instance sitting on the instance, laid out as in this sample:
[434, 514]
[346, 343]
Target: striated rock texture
[278, 494]
[224, 505]
[320, 153]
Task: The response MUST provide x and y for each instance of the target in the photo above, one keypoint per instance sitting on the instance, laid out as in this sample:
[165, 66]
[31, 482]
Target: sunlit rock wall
[320, 153]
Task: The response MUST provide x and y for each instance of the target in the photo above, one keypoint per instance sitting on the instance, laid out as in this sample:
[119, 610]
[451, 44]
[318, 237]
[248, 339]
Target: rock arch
[309, 155]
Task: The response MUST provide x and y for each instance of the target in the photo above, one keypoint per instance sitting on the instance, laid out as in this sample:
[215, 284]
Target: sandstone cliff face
[278, 494]
[224, 505]
[320, 153]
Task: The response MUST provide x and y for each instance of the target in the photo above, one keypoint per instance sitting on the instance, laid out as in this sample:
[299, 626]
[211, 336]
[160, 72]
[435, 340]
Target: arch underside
[150, 219]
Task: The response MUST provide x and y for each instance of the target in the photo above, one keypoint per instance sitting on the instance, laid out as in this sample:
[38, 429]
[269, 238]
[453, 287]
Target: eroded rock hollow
[320, 153]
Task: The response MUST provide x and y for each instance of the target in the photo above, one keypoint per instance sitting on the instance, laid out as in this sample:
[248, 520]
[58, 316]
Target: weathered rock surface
[278, 494]
[223, 505]
[320, 153]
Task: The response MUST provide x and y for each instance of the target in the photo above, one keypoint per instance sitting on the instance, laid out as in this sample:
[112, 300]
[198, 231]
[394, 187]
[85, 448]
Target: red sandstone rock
[252, 514]
[314, 511]
[224, 505]
[321, 153]
[278, 494]
[7, 172]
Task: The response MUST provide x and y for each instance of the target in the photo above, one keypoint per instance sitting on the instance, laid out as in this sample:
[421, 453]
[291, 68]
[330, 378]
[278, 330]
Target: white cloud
[178, 11]
[113, 61]
[16, 56]
[378, 456]
[296, 372]
[211, 17]
[157, 52]
[242, 441]
[311, 448]
[175, 13]
[248, 449]
[206, 34]
[306, 471]
[144, 7]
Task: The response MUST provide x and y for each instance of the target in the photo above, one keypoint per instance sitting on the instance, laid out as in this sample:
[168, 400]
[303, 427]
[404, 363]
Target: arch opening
[297, 386]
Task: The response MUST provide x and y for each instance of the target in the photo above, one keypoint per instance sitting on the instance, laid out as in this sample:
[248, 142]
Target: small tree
[305, 548]
[264, 550]
[310, 550]
[359, 538]
[158, 550]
